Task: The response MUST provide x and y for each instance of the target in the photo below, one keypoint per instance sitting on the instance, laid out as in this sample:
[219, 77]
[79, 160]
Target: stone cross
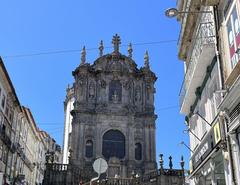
[116, 41]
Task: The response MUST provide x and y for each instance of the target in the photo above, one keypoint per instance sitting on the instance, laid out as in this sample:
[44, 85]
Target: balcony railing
[204, 36]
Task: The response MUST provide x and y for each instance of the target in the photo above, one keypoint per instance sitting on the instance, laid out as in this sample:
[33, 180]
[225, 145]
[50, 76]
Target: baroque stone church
[113, 113]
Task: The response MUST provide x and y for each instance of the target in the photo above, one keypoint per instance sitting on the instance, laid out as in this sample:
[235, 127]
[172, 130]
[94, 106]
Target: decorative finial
[130, 50]
[101, 47]
[146, 60]
[161, 161]
[182, 162]
[116, 42]
[83, 57]
[170, 163]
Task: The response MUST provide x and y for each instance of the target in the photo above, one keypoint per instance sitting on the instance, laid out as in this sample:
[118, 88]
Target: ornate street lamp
[173, 12]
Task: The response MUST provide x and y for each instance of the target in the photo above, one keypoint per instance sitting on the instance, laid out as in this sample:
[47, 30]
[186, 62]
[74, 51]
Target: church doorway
[113, 144]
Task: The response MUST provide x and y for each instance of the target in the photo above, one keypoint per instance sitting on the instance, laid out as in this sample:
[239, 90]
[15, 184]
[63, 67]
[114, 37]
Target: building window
[89, 149]
[113, 144]
[115, 91]
[233, 29]
[138, 151]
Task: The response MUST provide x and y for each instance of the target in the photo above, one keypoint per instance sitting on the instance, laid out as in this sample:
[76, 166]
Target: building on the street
[68, 107]
[53, 148]
[113, 114]
[9, 111]
[229, 33]
[202, 90]
[22, 145]
[109, 114]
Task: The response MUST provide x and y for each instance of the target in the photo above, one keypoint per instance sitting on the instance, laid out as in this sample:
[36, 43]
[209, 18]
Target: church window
[89, 149]
[115, 91]
[138, 151]
[113, 144]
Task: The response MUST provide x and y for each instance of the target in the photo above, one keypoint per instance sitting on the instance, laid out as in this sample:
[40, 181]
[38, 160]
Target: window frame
[233, 9]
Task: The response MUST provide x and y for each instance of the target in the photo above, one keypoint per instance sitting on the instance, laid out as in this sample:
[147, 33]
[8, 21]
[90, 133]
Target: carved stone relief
[115, 91]
[81, 84]
[91, 90]
[138, 93]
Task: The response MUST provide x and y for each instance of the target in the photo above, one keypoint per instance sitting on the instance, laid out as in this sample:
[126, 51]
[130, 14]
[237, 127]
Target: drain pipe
[219, 61]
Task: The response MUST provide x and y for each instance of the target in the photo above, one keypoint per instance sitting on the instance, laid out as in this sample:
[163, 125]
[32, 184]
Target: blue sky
[29, 27]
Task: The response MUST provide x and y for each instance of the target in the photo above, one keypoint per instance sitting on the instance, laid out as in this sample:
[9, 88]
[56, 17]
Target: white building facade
[201, 48]
[68, 107]
[229, 32]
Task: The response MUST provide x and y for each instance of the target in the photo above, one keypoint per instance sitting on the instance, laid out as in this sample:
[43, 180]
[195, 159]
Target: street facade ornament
[130, 50]
[146, 60]
[101, 47]
[116, 41]
[83, 55]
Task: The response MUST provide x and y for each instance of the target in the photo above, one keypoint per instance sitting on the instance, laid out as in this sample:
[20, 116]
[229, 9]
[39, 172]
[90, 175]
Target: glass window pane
[113, 144]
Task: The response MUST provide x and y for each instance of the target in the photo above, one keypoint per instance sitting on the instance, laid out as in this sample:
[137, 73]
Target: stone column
[73, 140]
[153, 142]
[146, 130]
[80, 141]
[130, 145]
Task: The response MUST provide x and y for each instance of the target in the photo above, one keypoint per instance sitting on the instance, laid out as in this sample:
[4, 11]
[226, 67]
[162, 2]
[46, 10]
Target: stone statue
[91, 90]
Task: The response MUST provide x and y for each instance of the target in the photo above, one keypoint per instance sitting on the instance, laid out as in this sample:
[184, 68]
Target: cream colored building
[22, 145]
[68, 107]
[203, 90]
[229, 33]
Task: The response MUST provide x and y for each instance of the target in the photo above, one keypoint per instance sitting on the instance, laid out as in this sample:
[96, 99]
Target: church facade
[113, 113]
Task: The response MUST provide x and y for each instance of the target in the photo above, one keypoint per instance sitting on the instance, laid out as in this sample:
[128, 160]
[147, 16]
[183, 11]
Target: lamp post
[173, 12]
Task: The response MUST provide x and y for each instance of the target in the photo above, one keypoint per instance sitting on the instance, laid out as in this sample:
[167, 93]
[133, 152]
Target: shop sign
[207, 145]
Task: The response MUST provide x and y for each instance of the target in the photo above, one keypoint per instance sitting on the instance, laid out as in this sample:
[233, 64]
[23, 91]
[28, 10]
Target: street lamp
[173, 12]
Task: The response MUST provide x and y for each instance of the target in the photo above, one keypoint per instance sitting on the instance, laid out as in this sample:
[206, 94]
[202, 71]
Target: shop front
[207, 164]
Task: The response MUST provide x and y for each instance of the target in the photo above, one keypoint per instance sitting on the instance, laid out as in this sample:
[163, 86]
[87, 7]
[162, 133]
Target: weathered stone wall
[113, 94]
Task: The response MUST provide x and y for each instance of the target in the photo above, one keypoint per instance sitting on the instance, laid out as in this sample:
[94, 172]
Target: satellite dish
[100, 166]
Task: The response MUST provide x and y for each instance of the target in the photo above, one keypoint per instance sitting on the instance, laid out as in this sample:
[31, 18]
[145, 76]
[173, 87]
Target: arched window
[89, 149]
[115, 91]
[138, 151]
[113, 144]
